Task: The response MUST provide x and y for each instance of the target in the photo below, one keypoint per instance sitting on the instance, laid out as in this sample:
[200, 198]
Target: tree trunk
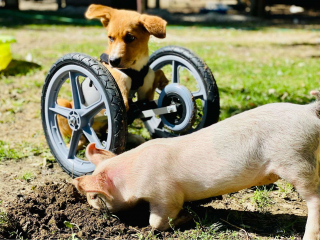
[258, 8]
[145, 5]
[157, 4]
[12, 4]
[124, 4]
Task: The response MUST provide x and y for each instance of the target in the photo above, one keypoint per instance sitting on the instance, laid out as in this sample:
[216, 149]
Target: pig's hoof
[183, 217]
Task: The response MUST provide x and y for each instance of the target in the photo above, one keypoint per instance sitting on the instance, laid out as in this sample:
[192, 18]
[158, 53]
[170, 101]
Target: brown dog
[128, 34]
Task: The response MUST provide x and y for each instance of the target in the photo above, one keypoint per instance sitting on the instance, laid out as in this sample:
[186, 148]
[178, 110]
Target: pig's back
[237, 152]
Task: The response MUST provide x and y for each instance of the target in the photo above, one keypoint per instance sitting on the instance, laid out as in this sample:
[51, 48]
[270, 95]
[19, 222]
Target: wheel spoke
[92, 136]
[74, 81]
[64, 112]
[93, 109]
[158, 91]
[175, 72]
[157, 122]
[197, 95]
[164, 134]
[74, 144]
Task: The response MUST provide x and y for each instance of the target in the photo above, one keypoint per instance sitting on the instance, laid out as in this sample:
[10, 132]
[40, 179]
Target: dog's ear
[100, 183]
[101, 12]
[96, 155]
[156, 26]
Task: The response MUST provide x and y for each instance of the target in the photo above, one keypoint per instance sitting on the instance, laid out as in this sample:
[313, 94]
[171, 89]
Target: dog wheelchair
[188, 103]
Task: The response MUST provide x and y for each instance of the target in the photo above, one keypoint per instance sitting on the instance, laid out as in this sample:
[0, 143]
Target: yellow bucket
[5, 53]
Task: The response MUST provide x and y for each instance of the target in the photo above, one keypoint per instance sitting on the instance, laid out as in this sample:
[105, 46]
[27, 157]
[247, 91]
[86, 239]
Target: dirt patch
[59, 211]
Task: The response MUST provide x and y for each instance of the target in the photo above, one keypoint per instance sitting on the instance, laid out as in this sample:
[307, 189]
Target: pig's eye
[94, 196]
[111, 39]
[129, 38]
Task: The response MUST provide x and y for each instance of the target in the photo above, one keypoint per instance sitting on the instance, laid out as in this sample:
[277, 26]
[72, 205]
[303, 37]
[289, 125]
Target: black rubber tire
[213, 110]
[114, 98]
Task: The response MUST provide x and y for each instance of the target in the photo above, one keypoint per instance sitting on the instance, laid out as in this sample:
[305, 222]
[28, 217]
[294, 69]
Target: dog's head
[128, 34]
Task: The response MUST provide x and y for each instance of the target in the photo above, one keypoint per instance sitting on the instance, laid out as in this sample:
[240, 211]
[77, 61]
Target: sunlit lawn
[248, 73]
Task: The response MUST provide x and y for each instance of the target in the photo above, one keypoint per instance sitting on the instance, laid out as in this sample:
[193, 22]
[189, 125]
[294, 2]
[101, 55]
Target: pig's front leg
[161, 213]
[165, 209]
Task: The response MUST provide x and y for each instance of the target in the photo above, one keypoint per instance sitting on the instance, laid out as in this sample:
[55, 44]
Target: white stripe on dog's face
[117, 52]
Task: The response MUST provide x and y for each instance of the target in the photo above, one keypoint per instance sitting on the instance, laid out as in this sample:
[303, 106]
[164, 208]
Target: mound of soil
[46, 212]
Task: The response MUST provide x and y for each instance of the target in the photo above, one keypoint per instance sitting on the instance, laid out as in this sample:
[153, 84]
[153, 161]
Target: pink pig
[257, 147]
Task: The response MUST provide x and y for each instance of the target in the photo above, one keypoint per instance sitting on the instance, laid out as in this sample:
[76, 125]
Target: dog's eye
[129, 38]
[111, 39]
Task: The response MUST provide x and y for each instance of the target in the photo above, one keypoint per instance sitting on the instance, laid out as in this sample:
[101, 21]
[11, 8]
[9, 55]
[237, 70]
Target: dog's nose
[114, 62]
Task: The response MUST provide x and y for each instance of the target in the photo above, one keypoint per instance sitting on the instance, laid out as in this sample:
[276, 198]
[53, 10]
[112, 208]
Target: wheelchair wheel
[182, 66]
[66, 80]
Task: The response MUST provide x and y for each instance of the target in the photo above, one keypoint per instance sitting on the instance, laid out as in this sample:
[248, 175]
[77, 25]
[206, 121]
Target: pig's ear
[156, 26]
[100, 12]
[76, 182]
[99, 183]
[96, 155]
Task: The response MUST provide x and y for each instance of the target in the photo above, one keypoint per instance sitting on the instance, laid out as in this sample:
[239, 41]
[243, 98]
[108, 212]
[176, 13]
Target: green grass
[137, 127]
[4, 221]
[22, 150]
[72, 226]
[285, 189]
[3, 218]
[27, 176]
[7, 153]
[261, 198]
[81, 154]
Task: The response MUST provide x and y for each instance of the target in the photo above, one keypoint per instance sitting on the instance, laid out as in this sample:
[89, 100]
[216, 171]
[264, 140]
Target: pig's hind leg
[304, 175]
[312, 231]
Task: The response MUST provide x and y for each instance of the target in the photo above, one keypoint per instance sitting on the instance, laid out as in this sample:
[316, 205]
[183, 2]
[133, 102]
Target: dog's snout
[114, 62]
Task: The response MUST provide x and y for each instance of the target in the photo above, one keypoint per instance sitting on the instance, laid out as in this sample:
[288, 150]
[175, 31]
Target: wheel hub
[179, 116]
[74, 120]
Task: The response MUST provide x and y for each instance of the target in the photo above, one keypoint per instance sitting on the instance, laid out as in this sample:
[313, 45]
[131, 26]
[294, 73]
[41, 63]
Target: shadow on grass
[297, 44]
[17, 19]
[75, 17]
[20, 68]
[263, 224]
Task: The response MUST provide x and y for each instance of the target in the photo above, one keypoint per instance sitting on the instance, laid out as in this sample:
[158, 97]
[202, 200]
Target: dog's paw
[161, 79]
